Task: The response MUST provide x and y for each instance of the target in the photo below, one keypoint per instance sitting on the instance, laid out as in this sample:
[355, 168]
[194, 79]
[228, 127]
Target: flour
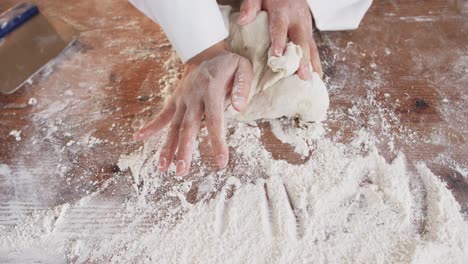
[16, 134]
[462, 170]
[300, 136]
[32, 101]
[346, 204]
[169, 81]
[93, 141]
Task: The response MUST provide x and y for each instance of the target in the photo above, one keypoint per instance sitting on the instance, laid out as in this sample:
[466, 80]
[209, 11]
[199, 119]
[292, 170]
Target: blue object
[15, 17]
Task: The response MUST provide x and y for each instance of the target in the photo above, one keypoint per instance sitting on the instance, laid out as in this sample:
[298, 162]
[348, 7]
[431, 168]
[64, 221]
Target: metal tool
[28, 42]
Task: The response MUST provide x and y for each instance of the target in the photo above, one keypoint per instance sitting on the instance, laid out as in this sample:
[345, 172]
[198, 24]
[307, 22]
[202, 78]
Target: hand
[291, 19]
[207, 81]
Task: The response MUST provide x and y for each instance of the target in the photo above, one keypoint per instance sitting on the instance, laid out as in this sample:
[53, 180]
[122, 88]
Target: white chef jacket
[195, 25]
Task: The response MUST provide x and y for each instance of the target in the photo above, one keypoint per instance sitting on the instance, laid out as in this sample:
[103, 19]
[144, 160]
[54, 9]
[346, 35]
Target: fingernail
[180, 167]
[162, 164]
[239, 102]
[242, 18]
[311, 69]
[277, 52]
[221, 160]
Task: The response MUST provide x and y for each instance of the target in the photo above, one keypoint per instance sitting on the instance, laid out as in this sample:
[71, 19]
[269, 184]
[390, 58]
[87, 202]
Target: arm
[190, 25]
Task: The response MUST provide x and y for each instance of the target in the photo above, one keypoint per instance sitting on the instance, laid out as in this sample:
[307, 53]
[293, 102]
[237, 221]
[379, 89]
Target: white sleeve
[338, 14]
[191, 26]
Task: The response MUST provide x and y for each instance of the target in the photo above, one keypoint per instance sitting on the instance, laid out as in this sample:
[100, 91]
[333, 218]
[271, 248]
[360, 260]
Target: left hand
[291, 19]
[208, 80]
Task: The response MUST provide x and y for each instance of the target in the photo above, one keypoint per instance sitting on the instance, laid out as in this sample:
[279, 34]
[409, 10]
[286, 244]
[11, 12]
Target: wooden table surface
[403, 75]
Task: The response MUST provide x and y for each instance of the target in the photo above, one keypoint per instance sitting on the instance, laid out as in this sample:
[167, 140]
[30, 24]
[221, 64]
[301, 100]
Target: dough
[277, 91]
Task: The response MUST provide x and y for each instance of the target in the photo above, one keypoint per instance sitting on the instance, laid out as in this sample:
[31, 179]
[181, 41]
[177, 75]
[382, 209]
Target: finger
[315, 58]
[161, 120]
[170, 146]
[215, 125]
[278, 30]
[188, 134]
[297, 35]
[248, 11]
[242, 84]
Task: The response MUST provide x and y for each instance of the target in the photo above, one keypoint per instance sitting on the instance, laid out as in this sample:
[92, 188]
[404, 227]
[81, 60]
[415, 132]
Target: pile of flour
[345, 204]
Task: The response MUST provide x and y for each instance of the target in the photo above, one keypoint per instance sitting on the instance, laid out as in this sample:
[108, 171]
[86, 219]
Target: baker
[197, 31]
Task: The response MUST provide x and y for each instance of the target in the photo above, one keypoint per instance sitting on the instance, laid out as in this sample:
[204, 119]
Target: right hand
[208, 79]
[291, 19]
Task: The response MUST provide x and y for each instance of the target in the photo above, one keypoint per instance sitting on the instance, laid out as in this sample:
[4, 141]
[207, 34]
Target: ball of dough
[276, 90]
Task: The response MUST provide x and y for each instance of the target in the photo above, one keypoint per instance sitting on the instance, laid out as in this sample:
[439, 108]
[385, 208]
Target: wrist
[209, 53]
